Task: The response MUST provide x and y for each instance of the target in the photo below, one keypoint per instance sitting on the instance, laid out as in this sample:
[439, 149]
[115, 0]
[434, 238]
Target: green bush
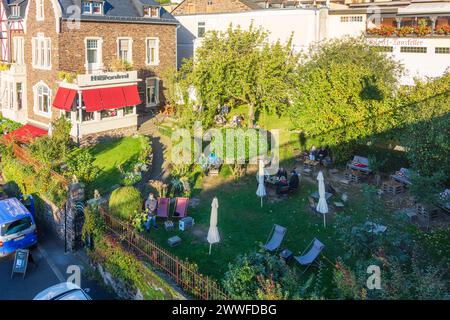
[125, 201]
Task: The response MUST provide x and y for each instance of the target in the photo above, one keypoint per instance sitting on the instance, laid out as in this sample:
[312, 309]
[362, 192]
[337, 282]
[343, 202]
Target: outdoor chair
[276, 236]
[163, 208]
[181, 206]
[309, 256]
[360, 164]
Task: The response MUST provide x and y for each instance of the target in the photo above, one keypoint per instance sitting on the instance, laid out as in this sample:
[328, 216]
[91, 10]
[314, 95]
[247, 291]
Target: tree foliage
[240, 67]
[345, 92]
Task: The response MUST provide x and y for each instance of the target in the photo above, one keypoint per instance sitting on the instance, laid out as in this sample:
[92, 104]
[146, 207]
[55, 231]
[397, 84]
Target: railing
[193, 283]
[22, 155]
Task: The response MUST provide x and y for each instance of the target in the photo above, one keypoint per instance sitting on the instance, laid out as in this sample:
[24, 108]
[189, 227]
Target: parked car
[63, 291]
[17, 227]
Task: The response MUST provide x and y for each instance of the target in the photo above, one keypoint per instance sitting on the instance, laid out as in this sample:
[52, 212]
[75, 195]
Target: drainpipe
[80, 115]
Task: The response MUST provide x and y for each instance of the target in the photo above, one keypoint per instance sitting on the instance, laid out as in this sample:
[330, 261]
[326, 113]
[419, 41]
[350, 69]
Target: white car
[63, 291]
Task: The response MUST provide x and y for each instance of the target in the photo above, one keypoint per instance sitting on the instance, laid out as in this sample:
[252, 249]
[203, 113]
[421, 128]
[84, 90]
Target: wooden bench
[393, 187]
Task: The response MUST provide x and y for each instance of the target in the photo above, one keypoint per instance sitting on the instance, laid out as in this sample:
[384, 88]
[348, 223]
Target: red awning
[111, 98]
[64, 99]
[26, 133]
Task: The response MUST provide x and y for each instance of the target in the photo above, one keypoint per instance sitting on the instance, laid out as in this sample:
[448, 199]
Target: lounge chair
[359, 163]
[163, 208]
[312, 204]
[402, 176]
[181, 206]
[276, 236]
[308, 258]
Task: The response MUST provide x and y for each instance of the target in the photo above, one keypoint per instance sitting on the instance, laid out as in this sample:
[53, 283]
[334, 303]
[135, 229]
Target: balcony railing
[409, 31]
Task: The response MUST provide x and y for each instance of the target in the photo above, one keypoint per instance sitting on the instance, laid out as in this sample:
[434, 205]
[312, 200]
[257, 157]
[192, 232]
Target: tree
[242, 67]
[426, 126]
[345, 92]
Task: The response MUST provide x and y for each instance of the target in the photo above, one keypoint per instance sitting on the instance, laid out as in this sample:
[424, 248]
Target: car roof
[11, 210]
[56, 290]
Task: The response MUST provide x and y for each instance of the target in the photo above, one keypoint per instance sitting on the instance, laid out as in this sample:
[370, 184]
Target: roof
[122, 11]
[11, 210]
[424, 8]
[22, 3]
[26, 133]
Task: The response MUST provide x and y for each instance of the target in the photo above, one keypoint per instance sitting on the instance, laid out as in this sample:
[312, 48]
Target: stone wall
[67, 222]
[93, 139]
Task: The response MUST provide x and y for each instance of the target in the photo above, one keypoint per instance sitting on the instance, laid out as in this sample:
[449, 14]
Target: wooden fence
[22, 155]
[193, 283]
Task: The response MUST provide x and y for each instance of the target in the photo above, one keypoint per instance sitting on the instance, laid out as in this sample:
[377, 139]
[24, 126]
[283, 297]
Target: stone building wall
[215, 6]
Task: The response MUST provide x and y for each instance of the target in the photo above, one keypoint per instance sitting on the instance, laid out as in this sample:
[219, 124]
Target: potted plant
[405, 31]
[422, 29]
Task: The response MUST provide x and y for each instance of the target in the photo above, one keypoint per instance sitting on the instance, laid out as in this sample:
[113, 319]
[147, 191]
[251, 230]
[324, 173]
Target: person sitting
[283, 186]
[151, 205]
[282, 173]
[313, 153]
[294, 181]
[322, 154]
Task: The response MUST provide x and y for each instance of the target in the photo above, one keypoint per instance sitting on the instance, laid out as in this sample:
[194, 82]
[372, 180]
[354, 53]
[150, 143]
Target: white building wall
[312, 25]
[303, 24]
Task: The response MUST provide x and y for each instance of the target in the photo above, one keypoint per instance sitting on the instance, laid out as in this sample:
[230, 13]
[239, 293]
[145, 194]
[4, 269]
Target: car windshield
[73, 295]
[16, 226]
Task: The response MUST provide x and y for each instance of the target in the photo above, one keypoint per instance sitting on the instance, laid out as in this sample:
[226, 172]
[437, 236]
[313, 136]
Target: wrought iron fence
[190, 281]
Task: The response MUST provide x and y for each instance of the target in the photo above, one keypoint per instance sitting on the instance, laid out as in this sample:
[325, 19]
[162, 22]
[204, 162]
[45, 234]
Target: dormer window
[15, 11]
[151, 12]
[92, 7]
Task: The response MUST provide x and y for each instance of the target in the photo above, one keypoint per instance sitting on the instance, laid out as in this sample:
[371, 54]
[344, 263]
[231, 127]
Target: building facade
[98, 63]
[394, 26]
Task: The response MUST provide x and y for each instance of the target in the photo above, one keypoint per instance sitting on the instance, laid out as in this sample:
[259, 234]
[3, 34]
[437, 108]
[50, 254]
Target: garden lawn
[244, 225]
[109, 155]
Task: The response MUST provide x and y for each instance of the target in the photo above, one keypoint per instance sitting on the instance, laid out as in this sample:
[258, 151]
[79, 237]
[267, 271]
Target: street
[50, 269]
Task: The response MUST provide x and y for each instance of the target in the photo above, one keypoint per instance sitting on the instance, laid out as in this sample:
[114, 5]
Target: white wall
[302, 23]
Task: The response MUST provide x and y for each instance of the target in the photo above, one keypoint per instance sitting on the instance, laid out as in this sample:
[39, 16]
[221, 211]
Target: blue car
[17, 227]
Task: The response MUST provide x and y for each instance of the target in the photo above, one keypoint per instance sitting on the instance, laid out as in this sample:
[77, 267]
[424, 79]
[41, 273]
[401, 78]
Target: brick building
[98, 63]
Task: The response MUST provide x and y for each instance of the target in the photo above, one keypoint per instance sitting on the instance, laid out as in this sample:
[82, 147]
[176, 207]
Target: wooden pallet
[352, 176]
[427, 212]
[392, 187]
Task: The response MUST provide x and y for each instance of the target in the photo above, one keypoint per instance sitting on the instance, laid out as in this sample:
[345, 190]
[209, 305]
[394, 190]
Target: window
[413, 49]
[40, 10]
[442, 50]
[19, 95]
[42, 52]
[128, 110]
[15, 11]
[42, 100]
[109, 113]
[18, 50]
[124, 47]
[86, 7]
[16, 226]
[352, 19]
[97, 8]
[201, 29]
[210, 2]
[94, 61]
[152, 92]
[151, 12]
[152, 51]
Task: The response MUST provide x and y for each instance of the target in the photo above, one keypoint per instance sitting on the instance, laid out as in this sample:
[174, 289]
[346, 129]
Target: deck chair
[181, 206]
[309, 258]
[163, 208]
[276, 236]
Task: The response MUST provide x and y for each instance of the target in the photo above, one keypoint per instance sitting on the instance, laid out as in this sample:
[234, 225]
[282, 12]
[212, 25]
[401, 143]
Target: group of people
[319, 154]
[284, 186]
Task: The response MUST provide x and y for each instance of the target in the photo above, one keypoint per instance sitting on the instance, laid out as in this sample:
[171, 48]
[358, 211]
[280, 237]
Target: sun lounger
[181, 205]
[276, 236]
[308, 258]
[360, 164]
[163, 208]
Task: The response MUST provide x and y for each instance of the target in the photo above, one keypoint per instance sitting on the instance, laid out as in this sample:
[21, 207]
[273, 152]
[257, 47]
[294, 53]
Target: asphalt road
[51, 268]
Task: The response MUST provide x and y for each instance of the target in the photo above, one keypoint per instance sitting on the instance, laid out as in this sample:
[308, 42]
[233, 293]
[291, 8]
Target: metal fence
[190, 281]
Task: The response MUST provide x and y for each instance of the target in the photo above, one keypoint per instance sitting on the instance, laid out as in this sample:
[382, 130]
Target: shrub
[125, 201]
[81, 164]
[119, 65]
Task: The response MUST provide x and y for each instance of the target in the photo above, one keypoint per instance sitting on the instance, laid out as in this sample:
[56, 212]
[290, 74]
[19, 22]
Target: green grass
[108, 155]
[244, 225]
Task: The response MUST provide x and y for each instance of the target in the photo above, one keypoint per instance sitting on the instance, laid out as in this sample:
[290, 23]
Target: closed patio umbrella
[261, 192]
[322, 206]
[213, 232]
